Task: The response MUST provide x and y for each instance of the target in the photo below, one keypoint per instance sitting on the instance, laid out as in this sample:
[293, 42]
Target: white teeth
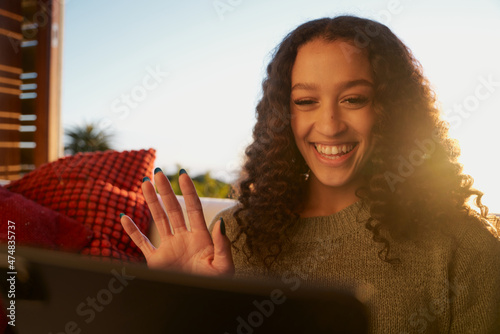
[333, 150]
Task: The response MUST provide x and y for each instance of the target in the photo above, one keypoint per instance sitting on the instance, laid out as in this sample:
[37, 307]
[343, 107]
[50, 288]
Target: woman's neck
[323, 200]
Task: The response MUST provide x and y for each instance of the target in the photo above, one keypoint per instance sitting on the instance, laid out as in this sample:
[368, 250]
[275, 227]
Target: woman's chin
[335, 181]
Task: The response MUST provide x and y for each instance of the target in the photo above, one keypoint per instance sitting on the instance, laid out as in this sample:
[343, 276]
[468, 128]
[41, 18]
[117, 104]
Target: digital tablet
[59, 292]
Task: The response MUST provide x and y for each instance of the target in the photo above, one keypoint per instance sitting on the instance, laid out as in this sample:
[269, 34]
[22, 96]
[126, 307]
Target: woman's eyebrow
[305, 86]
[358, 82]
[342, 85]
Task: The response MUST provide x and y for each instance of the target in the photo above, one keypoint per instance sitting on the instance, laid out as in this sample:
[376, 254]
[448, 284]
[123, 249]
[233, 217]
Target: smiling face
[332, 111]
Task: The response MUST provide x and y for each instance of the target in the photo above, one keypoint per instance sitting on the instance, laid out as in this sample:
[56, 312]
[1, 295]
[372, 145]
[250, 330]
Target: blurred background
[184, 77]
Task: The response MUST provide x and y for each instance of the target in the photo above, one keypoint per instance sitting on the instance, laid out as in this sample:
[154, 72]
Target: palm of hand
[194, 254]
[191, 251]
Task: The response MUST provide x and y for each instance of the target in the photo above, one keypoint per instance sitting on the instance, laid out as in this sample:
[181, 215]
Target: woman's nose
[330, 121]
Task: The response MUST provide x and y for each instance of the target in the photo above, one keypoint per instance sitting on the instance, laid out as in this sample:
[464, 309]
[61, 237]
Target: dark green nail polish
[145, 178]
[157, 170]
[122, 214]
[222, 227]
[182, 171]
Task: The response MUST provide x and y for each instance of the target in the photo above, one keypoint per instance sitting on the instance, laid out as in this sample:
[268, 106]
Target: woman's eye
[304, 102]
[359, 100]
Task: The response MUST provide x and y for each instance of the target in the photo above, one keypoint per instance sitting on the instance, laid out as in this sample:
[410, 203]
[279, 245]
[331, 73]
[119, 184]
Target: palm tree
[87, 138]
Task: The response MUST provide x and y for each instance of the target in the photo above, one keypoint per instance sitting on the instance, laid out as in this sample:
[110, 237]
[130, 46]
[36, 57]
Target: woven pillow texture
[94, 188]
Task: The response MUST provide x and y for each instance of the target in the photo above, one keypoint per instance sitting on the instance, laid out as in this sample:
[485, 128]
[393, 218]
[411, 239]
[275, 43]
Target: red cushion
[35, 225]
[94, 188]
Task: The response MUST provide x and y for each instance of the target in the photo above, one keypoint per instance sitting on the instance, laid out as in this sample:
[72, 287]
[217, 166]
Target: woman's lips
[334, 150]
[334, 155]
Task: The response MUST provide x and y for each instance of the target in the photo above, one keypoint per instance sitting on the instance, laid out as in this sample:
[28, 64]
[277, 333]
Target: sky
[184, 77]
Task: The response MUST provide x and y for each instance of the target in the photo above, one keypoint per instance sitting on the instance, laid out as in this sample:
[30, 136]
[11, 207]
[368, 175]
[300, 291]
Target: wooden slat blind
[30, 70]
[10, 83]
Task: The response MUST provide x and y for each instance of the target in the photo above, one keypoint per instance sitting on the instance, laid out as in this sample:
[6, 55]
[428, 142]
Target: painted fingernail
[122, 214]
[222, 227]
[145, 178]
[157, 170]
[182, 171]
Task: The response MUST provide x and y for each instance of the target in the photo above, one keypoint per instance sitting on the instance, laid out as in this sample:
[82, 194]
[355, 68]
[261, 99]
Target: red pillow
[34, 225]
[94, 188]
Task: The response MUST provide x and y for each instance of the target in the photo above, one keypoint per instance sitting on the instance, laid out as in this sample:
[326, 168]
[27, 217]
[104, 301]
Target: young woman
[351, 180]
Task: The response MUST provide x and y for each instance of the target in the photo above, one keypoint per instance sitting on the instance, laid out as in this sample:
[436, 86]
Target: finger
[137, 237]
[193, 204]
[223, 259]
[174, 209]
[159, 216]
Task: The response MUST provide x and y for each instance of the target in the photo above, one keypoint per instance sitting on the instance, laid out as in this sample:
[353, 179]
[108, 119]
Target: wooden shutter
[10, 88]
[30, 71]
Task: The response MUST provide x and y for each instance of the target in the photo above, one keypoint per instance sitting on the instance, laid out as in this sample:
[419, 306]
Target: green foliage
[87, 138]
[205, 185]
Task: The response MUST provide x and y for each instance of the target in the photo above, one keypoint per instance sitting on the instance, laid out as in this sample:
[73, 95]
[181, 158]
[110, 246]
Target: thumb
[223, 259]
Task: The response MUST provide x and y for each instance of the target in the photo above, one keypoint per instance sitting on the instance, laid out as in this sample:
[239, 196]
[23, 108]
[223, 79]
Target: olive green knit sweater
[445, 284]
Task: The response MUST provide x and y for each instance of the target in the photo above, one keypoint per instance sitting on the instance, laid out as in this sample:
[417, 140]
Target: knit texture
[446, 283]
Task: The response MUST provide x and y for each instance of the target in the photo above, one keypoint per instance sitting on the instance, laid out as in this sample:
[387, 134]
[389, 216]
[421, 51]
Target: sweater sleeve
[475, 282]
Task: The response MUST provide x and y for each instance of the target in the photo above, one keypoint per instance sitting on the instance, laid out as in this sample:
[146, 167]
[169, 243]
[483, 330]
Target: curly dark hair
[413, 179]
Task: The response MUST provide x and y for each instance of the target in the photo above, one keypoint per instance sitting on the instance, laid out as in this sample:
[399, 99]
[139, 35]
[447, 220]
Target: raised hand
[180, 249]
